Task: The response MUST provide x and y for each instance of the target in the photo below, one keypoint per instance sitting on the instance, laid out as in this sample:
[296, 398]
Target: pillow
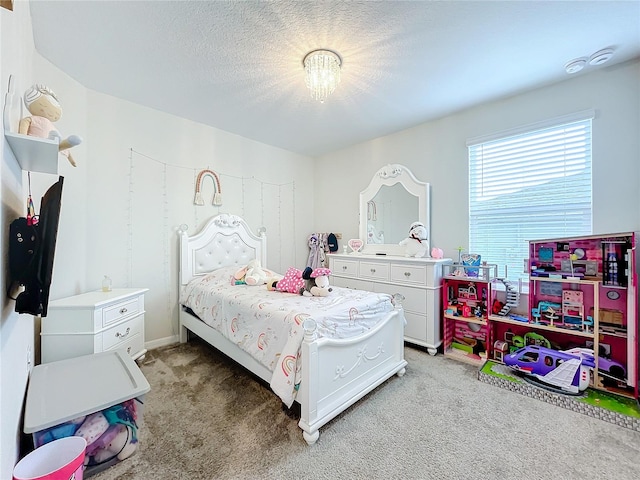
[221, 275]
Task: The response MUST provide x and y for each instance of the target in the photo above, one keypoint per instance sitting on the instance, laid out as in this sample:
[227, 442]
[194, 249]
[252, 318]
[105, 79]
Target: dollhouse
[583, 293]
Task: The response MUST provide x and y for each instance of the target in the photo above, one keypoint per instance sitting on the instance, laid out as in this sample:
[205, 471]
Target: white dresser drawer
[344, 267]
[353, 283]
[119, 311]
[122, 332]
[374, 270]
[415, 299]
[415, 274]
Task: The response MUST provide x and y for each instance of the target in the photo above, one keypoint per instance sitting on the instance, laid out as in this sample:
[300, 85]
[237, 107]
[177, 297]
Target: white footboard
[337, 373]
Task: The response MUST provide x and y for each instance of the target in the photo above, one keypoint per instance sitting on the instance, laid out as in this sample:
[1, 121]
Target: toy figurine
[45, 109]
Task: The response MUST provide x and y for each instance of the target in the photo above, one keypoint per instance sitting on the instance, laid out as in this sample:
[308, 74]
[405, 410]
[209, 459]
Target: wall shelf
[33, 153]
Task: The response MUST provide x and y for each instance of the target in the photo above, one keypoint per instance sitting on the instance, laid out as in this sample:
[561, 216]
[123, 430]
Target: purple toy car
[611, 367]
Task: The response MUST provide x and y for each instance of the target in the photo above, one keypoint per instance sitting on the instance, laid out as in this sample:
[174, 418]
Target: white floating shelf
[33, 153]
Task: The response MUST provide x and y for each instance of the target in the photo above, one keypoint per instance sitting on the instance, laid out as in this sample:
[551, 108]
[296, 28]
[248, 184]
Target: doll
[45, 109]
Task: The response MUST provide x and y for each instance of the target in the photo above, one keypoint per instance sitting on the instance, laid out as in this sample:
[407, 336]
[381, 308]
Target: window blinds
[529, 186]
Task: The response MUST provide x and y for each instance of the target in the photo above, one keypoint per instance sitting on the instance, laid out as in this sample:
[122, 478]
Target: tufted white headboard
[225, 240]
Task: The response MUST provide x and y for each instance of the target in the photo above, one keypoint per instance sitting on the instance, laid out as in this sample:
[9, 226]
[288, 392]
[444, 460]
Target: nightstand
[94, 322]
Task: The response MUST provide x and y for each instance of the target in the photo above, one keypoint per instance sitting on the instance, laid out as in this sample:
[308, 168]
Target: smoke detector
[601, 56]
[574, 66]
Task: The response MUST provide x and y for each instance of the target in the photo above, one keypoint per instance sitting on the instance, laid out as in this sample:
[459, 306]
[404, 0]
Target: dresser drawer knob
[373, 270]
[129, 351]
[123, 310]
[344, 267]
[407, 274]
[122, 335]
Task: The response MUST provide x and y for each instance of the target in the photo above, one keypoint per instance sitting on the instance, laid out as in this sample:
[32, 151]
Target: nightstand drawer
[374, 270]
[119, 311]
[134, 346]
[415, 274]
[121, 332]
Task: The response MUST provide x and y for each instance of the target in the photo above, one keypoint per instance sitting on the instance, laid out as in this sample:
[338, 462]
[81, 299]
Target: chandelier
[322, 71]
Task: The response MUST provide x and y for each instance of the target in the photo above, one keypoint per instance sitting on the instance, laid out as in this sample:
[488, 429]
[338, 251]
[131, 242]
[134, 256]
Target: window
[529, 185]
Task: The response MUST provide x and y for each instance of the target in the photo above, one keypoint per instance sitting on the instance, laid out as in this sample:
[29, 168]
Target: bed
[335, 349]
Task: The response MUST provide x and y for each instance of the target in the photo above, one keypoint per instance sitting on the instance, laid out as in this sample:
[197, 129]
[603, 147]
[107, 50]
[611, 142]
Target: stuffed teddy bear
[45, 109]
[316, 282]
[416, 244]
[253, 274]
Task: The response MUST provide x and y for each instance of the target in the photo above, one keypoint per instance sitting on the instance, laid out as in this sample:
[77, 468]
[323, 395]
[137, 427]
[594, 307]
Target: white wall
[134, 185]
[142, 167]
[436, 152]
[16, 331]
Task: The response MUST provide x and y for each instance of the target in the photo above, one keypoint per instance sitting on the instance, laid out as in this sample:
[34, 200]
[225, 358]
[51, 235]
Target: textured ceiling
[237, 65]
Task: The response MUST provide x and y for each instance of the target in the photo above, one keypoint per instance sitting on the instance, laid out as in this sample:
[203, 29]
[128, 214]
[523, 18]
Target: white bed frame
[336, 373]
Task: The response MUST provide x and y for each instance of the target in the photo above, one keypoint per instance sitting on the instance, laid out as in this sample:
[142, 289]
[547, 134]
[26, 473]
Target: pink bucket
[62, 459]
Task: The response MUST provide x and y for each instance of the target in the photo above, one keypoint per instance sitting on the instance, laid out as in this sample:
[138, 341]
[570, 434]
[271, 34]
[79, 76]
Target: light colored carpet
[206, 418]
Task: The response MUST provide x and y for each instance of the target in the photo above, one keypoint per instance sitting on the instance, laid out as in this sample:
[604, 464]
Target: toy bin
[98, 397]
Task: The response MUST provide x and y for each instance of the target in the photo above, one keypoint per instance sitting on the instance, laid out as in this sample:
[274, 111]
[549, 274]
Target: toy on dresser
[45, 109]
[417, 243]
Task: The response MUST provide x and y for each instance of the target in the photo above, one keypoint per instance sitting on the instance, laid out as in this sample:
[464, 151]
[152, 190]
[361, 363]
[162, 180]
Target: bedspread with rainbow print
[268, 324]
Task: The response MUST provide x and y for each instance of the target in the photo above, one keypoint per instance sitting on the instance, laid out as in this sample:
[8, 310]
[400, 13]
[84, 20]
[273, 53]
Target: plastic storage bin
[98, 397]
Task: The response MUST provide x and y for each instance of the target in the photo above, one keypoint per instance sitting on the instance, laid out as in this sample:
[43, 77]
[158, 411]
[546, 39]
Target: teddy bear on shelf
[316, 282]
[417, 243]
[45, 109]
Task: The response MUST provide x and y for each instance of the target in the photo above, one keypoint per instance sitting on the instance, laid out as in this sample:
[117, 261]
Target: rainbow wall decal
[217, 196]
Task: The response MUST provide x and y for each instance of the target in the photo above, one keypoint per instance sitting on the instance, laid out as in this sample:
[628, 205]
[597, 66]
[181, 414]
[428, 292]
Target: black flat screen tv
[31, 264]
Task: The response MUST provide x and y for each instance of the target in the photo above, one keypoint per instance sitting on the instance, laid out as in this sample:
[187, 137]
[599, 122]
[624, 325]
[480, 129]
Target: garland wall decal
[217, 196]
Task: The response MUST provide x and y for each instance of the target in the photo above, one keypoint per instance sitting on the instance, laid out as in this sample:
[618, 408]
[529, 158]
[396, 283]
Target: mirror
[389, 205]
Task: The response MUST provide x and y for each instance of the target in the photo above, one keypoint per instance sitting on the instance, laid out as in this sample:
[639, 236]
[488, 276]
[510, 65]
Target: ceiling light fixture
[322, 72]
[601, 56]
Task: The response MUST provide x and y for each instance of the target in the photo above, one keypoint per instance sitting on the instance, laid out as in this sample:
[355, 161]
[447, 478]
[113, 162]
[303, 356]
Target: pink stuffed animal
[292, 282]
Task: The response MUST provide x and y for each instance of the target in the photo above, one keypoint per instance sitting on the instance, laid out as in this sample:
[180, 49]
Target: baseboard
[161, 342]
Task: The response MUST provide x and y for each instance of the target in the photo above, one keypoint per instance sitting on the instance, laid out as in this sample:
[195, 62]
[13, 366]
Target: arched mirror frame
[390, 175]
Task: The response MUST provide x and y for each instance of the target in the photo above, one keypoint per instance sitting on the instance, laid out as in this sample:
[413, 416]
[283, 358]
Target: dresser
[418, 280]
[94, 322]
